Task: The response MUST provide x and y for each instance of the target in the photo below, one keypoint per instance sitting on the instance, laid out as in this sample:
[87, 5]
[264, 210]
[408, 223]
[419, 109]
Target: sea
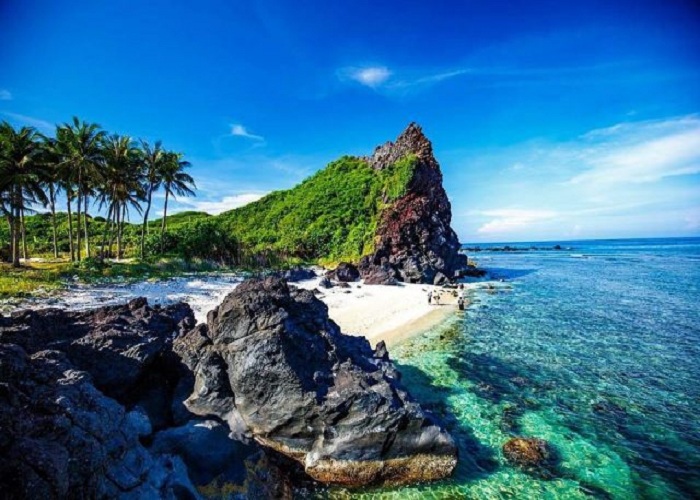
[594, 348]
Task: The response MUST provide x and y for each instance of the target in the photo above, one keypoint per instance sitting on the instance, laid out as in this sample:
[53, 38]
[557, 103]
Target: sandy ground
[389, 313]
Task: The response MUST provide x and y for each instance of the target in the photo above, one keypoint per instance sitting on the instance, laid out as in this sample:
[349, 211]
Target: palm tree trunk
[114, 228]
[119, 234]
[78, 232]
[15, 231]
[87, 235]
[145, 221]
[108, 226]
[52, 202]
[165, 211]
[24, 234]
[8, 216]
[70, 231]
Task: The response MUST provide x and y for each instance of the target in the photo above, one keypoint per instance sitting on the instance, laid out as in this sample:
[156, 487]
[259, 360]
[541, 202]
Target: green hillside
[331, 216]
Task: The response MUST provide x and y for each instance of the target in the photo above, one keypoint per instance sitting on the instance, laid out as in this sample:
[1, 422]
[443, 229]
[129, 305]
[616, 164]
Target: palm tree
[152, 158]
[20, 177]
[122, 185]
[81, 151]
[51, 183]
[175, 181]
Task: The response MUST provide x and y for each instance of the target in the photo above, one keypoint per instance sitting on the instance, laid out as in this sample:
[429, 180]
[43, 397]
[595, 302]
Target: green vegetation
[331, 216]
[92, 169]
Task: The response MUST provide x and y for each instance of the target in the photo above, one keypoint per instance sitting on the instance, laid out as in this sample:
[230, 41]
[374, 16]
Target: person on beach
[437, 298]
[430, 296]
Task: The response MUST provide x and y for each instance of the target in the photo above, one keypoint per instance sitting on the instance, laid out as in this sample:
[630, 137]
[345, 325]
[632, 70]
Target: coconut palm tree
[122, 185]
[175, 181]
[153, 158]
[21, 175]
[80, 146]
[51, 183]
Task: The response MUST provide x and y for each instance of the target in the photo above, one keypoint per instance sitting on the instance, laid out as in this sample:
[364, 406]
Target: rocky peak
[414, 240]
[411, 141]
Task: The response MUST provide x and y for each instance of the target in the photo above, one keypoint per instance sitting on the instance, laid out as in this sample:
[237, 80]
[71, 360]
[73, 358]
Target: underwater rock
[273, 365]
[527, 452]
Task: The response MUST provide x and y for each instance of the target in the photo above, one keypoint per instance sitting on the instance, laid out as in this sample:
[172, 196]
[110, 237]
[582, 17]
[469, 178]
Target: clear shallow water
[599, 355]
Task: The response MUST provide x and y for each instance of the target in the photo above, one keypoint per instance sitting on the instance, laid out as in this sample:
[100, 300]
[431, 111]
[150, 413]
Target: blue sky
[551, 119]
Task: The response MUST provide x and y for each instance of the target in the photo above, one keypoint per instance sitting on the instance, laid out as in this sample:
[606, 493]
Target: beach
[377, 312]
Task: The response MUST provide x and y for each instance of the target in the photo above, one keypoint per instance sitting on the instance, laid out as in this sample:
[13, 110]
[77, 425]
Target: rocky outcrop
[344, 272]
[273, 366]
[535, 456]
[414, 238]
[62, 438]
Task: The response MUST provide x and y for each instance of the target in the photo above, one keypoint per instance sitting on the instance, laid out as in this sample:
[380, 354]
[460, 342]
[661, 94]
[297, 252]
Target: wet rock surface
[533, 455]
[273, 366]
[345, 272]
[414, 236]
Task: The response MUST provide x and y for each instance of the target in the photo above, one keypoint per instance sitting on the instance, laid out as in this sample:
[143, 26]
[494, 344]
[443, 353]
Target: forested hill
[331, 216]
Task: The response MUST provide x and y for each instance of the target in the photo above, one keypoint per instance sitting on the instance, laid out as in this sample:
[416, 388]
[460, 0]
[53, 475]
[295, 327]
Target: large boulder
[345, 272]
[62, 438]
[273, 366]
[414, 235]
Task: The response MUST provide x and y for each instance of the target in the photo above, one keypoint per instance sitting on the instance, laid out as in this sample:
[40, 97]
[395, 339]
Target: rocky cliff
[414, 241]
[134, 401]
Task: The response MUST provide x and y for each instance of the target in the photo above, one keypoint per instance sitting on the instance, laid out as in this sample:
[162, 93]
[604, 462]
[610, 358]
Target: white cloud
[37, 123]
[5, 95]
[370, 76]
[222, 205]
[239, 130]
[509, 220]
[642, 152]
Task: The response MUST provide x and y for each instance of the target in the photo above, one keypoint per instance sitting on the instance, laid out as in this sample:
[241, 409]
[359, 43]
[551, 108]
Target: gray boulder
[274, 367]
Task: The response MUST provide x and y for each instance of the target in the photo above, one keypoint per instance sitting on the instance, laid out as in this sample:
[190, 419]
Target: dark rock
[285, 375]
[344, 272]
[325, 282]
[296, 274]
[473, 272]
[342, 284]
[440, 279]
[62, 438]
[414, 232]
[377, 274]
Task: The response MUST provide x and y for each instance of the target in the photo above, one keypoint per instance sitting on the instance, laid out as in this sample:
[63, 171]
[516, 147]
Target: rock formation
[414, 240]
[274, 367]
[138, 401]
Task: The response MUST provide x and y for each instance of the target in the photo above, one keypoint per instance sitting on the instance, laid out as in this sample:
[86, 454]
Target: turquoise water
[596, 350]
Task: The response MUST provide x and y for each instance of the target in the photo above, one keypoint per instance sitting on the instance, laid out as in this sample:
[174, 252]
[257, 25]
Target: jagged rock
[377, 274]
[62, 438]
[527, 452]
[117, 345]
[325, 282]
[414, 233]
[345, 272]
[273, 365]
[440, 279]
[208, 452]
[296, 274]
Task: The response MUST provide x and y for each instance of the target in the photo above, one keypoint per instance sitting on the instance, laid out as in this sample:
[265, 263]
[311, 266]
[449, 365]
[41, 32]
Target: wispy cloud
[642, 152]
[30, 121]
[509, 220]
[239, 130]
[215, 207]
[5, 95]
[634, 178]
[369, 76]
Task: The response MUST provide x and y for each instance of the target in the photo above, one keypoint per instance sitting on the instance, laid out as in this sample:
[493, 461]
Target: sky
[551, 120]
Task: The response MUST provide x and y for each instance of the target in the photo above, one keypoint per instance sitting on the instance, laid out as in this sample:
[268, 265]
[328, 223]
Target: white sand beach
[389, 313]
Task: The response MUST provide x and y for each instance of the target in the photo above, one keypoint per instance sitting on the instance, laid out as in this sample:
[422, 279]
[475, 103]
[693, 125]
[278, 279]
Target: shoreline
[389, 313]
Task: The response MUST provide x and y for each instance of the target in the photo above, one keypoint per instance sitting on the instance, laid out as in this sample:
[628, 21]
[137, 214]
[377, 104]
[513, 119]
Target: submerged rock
[274, 366]
[528, 453]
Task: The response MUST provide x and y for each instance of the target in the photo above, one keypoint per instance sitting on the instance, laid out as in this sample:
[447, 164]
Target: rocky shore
[139, 401]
